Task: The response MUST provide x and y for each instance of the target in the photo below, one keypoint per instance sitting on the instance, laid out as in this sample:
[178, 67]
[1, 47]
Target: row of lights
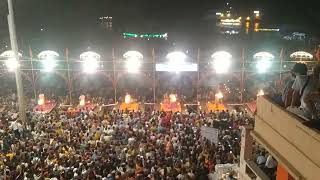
[221, 60]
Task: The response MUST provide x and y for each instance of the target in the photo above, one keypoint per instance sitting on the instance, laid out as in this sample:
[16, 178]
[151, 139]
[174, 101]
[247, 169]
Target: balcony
[295, 146]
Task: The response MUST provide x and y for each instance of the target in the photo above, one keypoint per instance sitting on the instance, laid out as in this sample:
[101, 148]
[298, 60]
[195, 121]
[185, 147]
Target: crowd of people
[116, 144]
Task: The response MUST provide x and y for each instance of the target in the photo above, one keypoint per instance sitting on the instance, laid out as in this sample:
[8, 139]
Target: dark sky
[75, 14]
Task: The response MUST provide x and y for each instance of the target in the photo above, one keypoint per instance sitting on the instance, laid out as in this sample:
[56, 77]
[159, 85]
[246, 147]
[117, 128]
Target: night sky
[138, 14]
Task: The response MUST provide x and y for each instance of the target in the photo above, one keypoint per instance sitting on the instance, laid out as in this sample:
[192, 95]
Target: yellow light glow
[219, 95]
[41, 99]
[248, 18]
[127, 99]
[82, 99]
[173, 98]
[260, 93]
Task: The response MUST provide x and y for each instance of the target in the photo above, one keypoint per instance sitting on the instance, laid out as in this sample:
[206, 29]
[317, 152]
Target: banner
[212, 134]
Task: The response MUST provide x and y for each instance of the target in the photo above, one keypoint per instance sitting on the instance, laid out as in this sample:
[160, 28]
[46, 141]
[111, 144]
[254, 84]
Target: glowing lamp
[221, 61]
[82, 99]
[127, 99]
[12, 64]
[133, 61]
[48, 59]
[219, 95]
[263, 61]
[260, 93]
[173, 98]
[9, 54]
[301, 55]
[90, 61]
[176, 58]
[41, 99]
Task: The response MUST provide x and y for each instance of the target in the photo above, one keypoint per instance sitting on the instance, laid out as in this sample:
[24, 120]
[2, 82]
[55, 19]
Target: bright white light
[263, 55]
[48, 54]
[130, 54]
[301, 55]
[234, 22]
[264, 61]
[127, 99]
[219, 95]
[173, 98]
[90, 61]
[12, 64]
[90, 55]
[90, 65]
[49, 65]
[41, 99]
[256, 12]
[176, 58]
[188, 67]
[133, 65]
[48, 59]
[9, 54]
[260, 93]
[221, 61]
[82, 99]
[263, 65]
[133, 61]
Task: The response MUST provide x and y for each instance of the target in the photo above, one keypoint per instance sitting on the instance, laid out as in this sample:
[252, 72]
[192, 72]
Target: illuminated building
[106, 22]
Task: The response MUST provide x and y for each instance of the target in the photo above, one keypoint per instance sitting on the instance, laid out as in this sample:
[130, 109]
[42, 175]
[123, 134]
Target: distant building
[106, 22]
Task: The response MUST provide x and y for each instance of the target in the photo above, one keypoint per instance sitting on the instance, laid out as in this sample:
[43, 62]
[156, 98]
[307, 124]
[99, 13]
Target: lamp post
[14, 46]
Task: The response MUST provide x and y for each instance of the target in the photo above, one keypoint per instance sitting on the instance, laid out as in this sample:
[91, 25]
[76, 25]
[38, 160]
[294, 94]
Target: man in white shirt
[271, 163]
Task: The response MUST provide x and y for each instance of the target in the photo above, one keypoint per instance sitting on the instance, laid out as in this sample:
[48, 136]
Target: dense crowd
[116, 144]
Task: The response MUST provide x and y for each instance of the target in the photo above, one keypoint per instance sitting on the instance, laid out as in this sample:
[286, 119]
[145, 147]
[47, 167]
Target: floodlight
[301, 55]
[263, 55]
[263, 65]
[263, 61]
[260, 93]
[12, 64]
[219, 95]
[48, 59]
[9, 54]
[133, 61]
[176, 58]
[90, 61]
[173, 98]
[48, 54]
[127, 99]
[221, 61]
